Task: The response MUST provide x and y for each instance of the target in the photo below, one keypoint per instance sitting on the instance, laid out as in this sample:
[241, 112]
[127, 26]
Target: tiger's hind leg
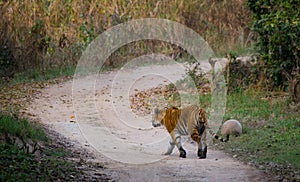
[201, 141]
[182, 152]
[202, 146]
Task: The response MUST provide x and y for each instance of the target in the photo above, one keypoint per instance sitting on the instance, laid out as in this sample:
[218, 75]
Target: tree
[277, 23]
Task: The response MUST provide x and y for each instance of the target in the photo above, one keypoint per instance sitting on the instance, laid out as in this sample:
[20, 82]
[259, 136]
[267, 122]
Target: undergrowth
[19, 164]
[21, 128]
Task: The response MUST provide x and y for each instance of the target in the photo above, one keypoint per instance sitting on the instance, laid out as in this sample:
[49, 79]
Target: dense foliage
[278, 25]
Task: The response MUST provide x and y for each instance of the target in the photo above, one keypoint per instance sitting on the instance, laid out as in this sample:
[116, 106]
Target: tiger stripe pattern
[190, 121]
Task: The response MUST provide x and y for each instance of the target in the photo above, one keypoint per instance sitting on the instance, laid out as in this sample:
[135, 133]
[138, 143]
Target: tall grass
[47, 33]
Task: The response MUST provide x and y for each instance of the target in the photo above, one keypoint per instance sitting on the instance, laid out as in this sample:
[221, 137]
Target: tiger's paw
[202, 153]
[182, 153]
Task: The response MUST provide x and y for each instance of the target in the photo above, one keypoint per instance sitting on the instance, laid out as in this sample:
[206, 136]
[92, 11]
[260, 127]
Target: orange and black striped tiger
[190, 120]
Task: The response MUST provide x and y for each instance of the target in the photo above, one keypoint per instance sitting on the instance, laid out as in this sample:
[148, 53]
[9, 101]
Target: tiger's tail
[214, 135]
[203, 123]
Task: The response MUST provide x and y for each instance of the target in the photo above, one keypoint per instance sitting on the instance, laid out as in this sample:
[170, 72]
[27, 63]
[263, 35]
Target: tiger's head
[167, 116]
[158, 116]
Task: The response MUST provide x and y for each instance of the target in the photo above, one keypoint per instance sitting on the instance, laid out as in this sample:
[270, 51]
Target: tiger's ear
[165, 108]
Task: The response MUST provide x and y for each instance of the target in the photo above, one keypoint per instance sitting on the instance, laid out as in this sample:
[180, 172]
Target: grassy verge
[21, 128]
[17, 163]
[36, 75]
[271, 137]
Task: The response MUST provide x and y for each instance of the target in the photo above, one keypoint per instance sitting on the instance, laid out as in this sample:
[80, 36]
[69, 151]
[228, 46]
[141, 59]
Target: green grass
[205, 100]
[17, 164]
[251, 104]
[271, 130]
[275, 143]
[36, 75]
[21, 128]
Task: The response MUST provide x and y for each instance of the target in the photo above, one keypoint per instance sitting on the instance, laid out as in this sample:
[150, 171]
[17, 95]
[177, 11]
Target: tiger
[190, 120]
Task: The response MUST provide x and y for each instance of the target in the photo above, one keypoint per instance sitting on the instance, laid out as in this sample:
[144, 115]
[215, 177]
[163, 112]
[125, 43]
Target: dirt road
[98, 117]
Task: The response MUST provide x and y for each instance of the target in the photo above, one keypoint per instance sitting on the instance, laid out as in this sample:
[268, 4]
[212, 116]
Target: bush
[278, 25]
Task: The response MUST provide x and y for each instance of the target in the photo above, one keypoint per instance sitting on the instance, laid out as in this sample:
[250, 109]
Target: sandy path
[127, 144]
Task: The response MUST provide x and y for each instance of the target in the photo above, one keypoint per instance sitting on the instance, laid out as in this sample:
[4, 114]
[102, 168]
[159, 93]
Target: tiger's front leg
[170, 148]
[177, 140]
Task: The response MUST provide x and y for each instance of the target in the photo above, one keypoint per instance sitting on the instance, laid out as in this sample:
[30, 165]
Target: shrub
[278, 25]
